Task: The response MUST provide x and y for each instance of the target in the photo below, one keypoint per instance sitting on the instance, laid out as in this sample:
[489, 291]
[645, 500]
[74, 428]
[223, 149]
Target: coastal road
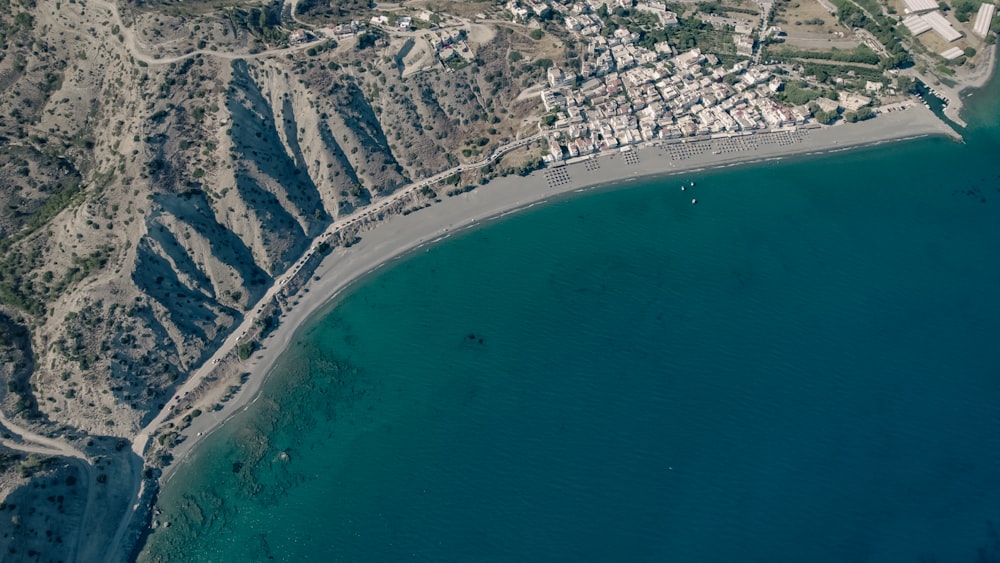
[141, 440]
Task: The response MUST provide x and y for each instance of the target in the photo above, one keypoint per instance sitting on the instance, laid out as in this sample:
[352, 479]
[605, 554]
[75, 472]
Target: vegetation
[860, 54]
[263, 23]
[861, 115]
[245, 350]
[824, 117]
[884, 29]
[965, 8]
[460, 191]
[796, 93]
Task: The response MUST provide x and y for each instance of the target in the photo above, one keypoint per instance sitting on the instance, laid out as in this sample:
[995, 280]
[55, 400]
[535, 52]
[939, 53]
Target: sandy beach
[390, 239]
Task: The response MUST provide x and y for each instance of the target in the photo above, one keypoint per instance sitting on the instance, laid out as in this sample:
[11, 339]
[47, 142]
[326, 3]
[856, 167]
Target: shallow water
[802, 367]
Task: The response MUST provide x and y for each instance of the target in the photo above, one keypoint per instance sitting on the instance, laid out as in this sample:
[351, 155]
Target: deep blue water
[803, 367]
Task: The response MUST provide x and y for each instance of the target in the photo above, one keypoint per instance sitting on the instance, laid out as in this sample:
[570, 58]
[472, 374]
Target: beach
[400, 234]
[397, 235]
[651, 372]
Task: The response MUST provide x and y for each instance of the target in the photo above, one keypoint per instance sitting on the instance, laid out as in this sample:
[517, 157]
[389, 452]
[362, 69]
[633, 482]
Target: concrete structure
[984, 18]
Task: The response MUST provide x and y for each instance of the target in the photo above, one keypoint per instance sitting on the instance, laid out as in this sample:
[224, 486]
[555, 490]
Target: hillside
[158, 176]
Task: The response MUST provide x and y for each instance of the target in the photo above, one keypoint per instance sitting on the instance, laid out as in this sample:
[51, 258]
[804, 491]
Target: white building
[552, 100]
[984, 18]
[916, 25]
[942, 26]
[744, 45]
[558, 78]
[952, 54]
[853, 102]
[918, 6]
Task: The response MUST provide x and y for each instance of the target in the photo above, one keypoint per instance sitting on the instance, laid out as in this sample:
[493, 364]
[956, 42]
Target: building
[744, 45]
[519, 12]
[942, 26]
[826, 104]
[689, 60]
[558, 78]
[853, 102]
[552, 100]
[918, 6]
[952, 54]
[916, 25]
[984, 18]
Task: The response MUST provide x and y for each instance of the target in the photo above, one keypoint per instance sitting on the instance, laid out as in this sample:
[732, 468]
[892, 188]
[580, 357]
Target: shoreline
[383, 244]
[394, 238]
[970, 80]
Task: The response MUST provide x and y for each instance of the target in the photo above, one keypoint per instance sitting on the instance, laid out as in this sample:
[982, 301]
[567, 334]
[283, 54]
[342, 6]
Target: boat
[694, 201]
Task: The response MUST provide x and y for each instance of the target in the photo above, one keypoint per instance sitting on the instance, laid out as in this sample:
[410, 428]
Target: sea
[803, 367]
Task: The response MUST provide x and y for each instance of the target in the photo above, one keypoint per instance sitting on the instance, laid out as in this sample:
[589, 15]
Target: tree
[905, 83]
[245, 350]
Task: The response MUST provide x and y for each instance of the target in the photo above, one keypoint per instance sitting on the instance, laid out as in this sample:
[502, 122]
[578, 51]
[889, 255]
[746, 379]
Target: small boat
[683, 188]
[692, 184]
[694, 201]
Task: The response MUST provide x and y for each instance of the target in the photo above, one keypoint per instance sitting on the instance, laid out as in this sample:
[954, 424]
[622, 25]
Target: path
[132, 44]
[43, 445]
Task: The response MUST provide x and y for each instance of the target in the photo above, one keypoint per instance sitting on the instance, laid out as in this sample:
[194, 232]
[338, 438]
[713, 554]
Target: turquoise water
[802, 367]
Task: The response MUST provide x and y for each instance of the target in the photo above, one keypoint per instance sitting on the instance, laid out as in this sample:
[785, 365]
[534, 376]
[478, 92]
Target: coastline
[969, 80]
[398, 235]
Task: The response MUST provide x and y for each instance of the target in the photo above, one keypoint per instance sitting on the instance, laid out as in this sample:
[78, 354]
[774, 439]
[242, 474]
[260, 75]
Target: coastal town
[632, 84]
